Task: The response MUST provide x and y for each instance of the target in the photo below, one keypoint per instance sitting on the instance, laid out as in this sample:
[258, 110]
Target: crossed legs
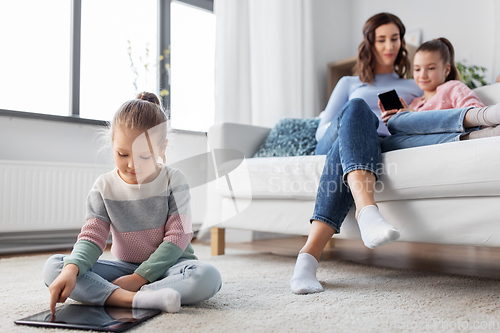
[186, 282]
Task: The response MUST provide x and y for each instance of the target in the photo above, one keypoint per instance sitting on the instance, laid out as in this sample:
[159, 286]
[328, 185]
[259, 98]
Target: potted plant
[472, 76]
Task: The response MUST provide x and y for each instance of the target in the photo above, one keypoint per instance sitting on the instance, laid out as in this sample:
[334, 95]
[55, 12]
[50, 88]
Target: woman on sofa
[348, 163]
[348, 134]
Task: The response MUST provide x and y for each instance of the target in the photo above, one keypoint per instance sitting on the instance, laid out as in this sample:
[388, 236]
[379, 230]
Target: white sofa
[445, 194]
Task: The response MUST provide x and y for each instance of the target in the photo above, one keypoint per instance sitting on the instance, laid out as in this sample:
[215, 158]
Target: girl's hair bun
[150, 97]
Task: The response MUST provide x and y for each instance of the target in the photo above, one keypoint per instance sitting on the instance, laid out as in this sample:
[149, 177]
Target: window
[118, 57]
[34, 62]
[118, 54]
[192, 67]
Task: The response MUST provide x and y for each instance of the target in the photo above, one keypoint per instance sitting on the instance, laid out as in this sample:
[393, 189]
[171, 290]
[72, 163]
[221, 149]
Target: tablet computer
[88, 317]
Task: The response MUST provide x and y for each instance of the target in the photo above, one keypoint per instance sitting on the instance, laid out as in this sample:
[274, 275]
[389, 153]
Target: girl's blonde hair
[142, 114]
[446, 52]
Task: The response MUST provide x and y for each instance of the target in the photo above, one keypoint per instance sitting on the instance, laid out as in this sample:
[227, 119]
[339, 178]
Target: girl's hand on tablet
[62, 286]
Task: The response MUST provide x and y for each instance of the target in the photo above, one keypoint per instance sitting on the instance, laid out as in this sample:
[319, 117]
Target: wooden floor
[461, 260]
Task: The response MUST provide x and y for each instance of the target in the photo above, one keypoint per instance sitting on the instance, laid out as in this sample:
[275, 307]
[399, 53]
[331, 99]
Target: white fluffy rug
[256, 297]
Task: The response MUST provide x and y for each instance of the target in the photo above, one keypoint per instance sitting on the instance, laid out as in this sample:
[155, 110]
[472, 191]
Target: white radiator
[43, 196]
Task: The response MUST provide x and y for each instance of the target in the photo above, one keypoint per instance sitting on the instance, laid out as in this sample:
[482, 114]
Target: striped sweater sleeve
[178, 231]
[89, 246]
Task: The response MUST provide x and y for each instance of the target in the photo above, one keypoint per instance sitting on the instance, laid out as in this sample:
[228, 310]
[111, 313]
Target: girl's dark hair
[447, 53]
[365, 65]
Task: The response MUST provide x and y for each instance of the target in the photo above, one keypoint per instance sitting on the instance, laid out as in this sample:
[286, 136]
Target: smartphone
[390, 100]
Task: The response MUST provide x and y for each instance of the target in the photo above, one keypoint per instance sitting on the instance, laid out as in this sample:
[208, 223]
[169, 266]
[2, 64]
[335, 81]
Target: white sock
[304, 276]
[375, 231]
[487, 116]
[167, 300]
[485, 133]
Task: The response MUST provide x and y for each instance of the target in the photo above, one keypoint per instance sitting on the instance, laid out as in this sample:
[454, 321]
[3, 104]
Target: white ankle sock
[375, 231]
[304, 276]
[485, 133]
[487, 116]
[167, 300]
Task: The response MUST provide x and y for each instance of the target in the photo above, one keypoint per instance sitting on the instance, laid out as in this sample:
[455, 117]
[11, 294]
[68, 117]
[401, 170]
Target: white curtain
[264, 63]
[496, 59]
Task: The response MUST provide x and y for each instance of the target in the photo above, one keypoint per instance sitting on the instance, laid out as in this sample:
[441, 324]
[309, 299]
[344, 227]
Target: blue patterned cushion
[290, 137]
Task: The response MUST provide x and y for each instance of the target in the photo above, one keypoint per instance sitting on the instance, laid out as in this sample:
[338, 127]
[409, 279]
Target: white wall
[331, 21]
[25, 139]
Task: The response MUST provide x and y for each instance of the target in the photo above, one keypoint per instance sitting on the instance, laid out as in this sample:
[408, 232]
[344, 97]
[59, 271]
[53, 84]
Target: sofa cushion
[295, 177]
[455, 169]
[290, 137]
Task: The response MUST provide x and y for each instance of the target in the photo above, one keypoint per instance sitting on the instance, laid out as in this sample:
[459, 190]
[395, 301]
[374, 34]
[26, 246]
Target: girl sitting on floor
[146, 206]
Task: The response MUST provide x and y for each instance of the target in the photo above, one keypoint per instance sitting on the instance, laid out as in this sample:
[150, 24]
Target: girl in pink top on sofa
[438, 77]
[453, 112]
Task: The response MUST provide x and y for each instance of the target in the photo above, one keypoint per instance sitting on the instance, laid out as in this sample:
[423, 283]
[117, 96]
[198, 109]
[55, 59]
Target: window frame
[75, 53]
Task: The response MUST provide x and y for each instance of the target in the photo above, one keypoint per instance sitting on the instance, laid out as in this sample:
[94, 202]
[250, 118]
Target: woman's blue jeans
[350, 143]
[423, 128]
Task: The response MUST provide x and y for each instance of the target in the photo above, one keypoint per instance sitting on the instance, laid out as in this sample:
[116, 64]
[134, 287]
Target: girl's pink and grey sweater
[150, 223]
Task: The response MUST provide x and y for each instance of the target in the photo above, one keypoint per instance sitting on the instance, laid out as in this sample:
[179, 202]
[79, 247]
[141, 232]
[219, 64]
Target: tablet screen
[97, 318]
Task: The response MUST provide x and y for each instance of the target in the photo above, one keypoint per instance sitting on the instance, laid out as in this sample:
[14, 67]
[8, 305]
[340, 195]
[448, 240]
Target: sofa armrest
[489, 94]
[245, 138]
